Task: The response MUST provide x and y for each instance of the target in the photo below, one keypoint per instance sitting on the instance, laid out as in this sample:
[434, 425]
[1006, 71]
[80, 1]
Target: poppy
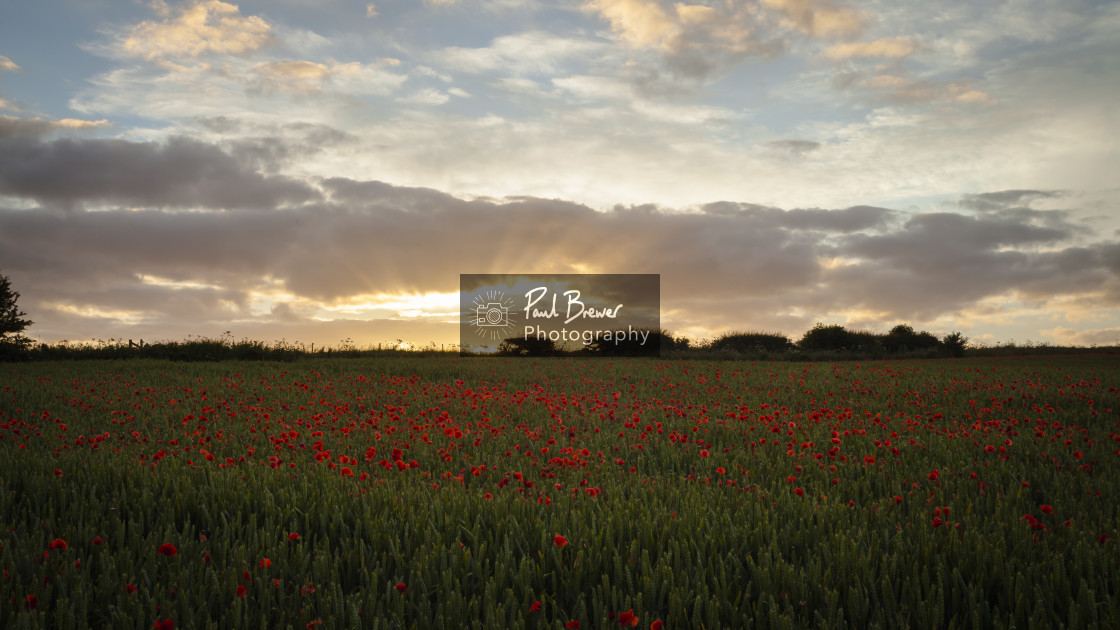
[1046, 509]
[165, 624]
[572, 625]
[401, 587]
[293, 536]
[31, 602]
[628, 618]
[58, 544]
[266, 563]
[559, 541]
[656, 625]
[167, 549]
[535, 607]
[130, 588]
[937, 522]
[240, 590]
[799, 492]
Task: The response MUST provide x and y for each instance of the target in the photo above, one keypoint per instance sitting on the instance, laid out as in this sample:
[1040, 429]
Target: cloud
[325, 250]
[531, 52]
[8, 64]
[11, 126]
[798, 148]
[820, 18]
[893, 86]
[371, 10]
[693, 39]
[195, 28]
[181, 173]
[426, 96]
[1072, 337]
[889, 48]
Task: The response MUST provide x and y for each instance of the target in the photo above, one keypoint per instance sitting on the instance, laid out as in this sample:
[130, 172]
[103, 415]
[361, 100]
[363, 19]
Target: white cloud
[7, 64]
[889, 48]
[193, 29]
[426, 96]
[532, 52]
[371, 10]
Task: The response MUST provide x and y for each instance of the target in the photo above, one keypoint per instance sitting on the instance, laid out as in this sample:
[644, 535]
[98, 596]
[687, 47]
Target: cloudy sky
[321, 170]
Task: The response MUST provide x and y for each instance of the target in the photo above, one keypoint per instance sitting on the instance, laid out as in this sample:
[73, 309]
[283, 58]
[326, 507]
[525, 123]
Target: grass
[428, 493]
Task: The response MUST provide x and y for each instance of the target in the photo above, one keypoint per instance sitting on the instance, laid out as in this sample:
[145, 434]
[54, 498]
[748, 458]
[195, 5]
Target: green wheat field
[564, 493]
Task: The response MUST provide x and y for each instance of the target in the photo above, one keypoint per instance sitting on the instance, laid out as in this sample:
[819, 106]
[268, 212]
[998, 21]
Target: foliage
[12, 322]
[955, 344]
[747, 343]
[527, 347]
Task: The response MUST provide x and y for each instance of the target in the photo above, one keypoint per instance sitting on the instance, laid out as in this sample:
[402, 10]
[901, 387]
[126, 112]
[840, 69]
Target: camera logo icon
[492, 314]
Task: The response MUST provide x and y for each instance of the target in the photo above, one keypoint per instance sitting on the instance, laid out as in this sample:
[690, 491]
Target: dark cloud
[728, 264]
[797, 148]
[1005, 199]
[182, 173]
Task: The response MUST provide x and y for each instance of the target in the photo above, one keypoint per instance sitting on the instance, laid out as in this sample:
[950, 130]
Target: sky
[321, 171]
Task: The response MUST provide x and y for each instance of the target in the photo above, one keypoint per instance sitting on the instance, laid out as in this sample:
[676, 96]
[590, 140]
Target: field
[567, 493]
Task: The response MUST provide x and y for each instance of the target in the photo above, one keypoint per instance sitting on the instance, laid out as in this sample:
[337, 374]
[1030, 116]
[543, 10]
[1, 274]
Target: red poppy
[720, 470]
[167, 549]
[165, 624]
[1103, 538]
[487, 496]
[31, 602]
[98, 541]
[346, 472]
[130, 588]
[628, 618]
[656, 625]
[572, 625]
[58, 544]
[560, 541]
[799, 492]
[401, 587]
[240, 590]
[535, 607]
[266, 563]
[293, 536]
[937, 522]
[57, 472]
[897, 499]
[1046, 509]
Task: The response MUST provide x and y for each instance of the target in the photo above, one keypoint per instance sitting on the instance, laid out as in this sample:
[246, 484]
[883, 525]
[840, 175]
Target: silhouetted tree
[752, 342]
[527, 347]
[903, 337]
[821, 337]
[12, 322]
[954, 344]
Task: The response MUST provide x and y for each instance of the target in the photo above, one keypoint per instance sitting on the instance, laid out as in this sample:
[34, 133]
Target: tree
[821, 337]
[527, 347]
[955, 343]
[12, 320]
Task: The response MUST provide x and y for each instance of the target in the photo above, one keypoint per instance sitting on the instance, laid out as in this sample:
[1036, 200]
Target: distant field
[566, 493]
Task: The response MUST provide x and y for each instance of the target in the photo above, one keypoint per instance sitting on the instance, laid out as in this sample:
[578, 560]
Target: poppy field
[566, 493]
